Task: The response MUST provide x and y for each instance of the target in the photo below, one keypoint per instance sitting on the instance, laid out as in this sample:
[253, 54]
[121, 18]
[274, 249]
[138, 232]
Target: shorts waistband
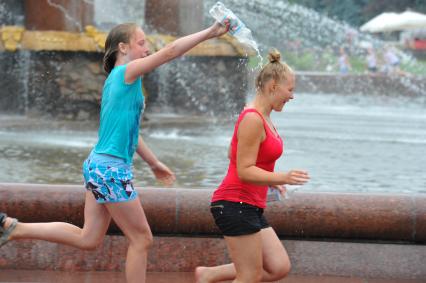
[102, 158]
[234, 204]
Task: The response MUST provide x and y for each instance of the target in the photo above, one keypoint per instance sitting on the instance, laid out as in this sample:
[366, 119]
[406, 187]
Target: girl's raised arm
[141, 66]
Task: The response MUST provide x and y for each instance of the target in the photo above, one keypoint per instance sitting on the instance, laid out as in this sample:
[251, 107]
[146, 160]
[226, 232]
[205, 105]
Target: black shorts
[238, 218]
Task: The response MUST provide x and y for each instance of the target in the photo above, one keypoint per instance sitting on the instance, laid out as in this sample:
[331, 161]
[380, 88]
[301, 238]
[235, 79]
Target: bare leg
[246, 254]
[96, 221]
[131, 219]
[276, 263]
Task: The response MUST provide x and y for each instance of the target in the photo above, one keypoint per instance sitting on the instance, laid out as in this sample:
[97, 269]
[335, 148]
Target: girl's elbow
[242, 175]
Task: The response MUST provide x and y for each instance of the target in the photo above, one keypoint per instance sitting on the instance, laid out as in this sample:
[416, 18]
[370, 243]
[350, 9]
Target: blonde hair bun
[274, 56]
[274, 70]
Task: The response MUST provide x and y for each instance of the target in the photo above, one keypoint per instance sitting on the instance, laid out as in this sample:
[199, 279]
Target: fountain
[58, 74]
[68, 86]
[362, 142]
[292, 28]
[173, 88]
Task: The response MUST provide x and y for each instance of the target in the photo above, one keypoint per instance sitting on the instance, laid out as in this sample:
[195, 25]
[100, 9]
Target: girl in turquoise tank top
[107, 171]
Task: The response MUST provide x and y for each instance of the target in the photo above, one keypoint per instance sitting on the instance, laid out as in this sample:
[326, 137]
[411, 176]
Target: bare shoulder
[251, 125]
[252, 118]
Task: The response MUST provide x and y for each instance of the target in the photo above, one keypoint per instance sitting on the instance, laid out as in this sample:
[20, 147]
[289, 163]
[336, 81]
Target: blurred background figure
[392, 61]
[371, 61]
[343, 62]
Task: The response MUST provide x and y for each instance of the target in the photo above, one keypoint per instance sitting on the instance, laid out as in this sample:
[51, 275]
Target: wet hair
[120, 33]
[274, 70]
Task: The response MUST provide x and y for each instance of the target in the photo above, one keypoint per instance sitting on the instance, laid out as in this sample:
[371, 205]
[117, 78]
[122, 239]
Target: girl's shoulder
[118, 74]
[251, 117]
[118, 69]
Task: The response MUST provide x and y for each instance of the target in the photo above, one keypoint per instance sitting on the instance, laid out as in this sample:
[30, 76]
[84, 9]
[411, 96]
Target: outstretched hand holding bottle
[236, 27]
[218, 29]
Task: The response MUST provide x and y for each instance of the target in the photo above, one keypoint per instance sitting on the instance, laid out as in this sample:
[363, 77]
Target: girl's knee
[148, 240]
[142, 241]
[285, 270]
[90, 240]
[281, 270]
[90, 245]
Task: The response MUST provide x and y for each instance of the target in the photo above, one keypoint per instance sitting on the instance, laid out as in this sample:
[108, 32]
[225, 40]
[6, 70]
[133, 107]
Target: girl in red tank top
[238, 203]
[270, 149]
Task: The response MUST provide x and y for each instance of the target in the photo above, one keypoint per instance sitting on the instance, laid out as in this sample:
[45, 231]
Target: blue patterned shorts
[109, 178]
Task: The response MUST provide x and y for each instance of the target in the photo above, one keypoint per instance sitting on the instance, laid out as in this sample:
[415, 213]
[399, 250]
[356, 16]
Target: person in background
[343, 62]
[371, 61]
[392, 61]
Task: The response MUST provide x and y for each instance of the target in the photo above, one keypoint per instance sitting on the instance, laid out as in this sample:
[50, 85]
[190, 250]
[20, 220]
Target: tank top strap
[248, 110]
[265, 124]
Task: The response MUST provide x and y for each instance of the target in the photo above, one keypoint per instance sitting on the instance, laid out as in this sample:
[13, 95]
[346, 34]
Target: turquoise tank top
[121, 108]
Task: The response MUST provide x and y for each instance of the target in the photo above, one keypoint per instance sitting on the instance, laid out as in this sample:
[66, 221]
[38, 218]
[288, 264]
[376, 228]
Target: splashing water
[237, 28]
[291, 27]
[24, 67]
[277, 23]
[66, 14]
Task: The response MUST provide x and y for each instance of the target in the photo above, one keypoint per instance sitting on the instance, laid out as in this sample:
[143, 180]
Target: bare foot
[201, 274]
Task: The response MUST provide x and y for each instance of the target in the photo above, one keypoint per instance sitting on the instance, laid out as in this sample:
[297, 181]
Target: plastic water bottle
[273, 195]
[237, 28]
[290, 191]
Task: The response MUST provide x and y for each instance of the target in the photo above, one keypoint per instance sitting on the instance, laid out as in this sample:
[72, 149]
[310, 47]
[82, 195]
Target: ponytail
[120, 33]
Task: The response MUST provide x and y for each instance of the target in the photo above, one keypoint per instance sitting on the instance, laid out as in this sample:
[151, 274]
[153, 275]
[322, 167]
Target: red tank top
[232, 188]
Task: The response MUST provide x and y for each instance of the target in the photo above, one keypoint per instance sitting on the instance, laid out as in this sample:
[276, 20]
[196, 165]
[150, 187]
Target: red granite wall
[341, 216]
[62, 15]
[176, 17]
[368, 235]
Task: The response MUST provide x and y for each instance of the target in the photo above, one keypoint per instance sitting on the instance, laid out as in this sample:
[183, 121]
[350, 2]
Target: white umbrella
[410, 20]
[395, 22]
[380, 23]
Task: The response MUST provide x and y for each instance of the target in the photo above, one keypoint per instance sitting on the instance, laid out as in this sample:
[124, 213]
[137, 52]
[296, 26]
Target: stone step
[32, 276]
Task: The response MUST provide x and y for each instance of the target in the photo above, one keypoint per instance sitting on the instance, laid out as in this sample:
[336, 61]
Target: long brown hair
[120, 33]
[274, 70]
